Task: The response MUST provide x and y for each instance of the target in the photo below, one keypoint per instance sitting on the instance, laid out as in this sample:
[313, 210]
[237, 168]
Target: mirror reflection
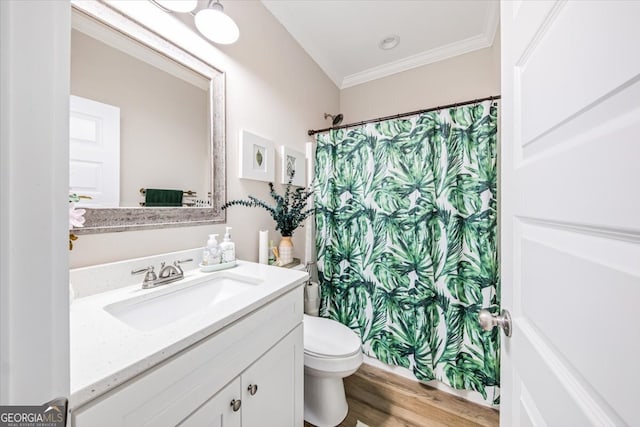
[174, 144]
[139, 124]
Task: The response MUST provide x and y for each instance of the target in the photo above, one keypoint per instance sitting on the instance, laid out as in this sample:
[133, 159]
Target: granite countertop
[106, 352]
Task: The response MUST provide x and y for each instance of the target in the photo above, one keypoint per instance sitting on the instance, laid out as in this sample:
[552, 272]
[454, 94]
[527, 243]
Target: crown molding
[480, 41]
[419, 60]
[492, 21]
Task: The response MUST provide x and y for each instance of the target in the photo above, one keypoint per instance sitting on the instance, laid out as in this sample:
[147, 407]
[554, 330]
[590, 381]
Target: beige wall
[275, 90]
[461, 78]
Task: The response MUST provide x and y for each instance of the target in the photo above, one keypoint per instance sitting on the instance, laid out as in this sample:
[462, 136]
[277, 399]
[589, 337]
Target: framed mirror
[147, 127]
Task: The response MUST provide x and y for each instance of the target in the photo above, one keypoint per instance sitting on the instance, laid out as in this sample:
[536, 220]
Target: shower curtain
[406, 241]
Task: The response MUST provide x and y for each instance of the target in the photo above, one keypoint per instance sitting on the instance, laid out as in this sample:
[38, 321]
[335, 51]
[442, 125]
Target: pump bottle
[228, 248]
[212, 253]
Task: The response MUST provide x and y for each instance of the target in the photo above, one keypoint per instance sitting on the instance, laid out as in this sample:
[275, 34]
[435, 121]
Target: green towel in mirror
[155, 197]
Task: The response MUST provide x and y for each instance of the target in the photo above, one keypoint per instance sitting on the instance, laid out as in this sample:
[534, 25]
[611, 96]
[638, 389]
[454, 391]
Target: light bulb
[178, 5]
[217, 26]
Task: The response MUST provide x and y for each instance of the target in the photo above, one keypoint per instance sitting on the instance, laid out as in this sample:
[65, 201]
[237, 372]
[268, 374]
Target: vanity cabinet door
[272, 387]
[221, 410]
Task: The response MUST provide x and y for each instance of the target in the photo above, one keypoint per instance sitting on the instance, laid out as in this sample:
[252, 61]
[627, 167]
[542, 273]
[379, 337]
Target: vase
[285, 249]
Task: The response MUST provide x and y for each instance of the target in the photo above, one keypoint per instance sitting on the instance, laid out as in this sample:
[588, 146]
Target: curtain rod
[397, 116]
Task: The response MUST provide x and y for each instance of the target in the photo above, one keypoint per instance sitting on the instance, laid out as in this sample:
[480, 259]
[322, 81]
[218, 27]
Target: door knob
[253, 389]
[235, 404]
[488, 321]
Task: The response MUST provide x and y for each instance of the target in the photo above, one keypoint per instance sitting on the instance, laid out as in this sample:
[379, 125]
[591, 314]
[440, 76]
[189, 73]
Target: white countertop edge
[88, 391]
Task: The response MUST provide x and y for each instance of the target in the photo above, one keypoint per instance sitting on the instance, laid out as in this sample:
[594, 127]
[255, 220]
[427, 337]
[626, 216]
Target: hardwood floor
[382, 399]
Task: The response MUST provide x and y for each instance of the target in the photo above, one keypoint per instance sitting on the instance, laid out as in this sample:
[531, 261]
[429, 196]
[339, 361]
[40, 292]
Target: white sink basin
[173, 302]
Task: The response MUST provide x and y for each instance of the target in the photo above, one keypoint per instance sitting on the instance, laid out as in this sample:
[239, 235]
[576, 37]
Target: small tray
[216, 267]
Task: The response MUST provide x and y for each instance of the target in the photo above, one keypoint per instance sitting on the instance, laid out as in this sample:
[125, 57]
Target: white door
[571, 212]
[94, 152]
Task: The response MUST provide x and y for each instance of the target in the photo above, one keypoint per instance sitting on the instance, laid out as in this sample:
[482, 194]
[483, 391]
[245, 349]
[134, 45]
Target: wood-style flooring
[382, 399]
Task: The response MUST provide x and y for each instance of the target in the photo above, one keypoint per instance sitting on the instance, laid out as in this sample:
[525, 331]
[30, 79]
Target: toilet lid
[326, 337]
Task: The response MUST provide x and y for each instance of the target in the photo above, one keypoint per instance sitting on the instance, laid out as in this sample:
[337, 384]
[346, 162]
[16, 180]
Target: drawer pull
[236, 404]
[253, 389]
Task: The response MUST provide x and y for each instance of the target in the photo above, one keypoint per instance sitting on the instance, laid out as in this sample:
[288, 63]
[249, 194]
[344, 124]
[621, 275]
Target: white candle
[263, 247]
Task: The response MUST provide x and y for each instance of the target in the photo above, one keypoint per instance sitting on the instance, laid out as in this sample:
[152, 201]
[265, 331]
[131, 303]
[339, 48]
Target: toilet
[332, 352]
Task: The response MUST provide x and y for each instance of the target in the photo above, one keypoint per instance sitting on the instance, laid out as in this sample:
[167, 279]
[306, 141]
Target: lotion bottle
[214, 256]
[228, 248]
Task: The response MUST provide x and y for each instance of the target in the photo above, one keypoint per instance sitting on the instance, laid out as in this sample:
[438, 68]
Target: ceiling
[342, 36]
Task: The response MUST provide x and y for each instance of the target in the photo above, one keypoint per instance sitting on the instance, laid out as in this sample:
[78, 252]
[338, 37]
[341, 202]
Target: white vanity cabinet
[257, 361]
[263, 395]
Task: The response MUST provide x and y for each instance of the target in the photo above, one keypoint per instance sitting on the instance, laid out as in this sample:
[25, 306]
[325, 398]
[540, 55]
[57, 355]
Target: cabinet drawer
[167, 393]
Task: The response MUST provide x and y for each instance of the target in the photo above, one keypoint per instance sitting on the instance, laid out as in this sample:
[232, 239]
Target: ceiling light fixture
[216, 25]
[183, 6]
[389, 42]
[211, 21]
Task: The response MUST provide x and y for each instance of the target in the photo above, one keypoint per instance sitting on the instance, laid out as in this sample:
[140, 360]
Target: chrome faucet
[149, 278]
[168, 274]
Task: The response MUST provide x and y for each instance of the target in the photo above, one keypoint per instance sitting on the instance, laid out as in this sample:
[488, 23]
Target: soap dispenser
[228, 248]
[212, 253]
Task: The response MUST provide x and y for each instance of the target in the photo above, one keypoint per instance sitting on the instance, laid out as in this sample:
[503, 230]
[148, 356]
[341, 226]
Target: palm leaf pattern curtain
[406, 240]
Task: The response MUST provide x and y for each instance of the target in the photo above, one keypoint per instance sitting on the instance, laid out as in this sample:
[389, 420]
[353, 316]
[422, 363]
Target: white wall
[34, 151]
[274, 89]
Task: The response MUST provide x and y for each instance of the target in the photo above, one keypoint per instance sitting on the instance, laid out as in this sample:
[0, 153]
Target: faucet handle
[150, 275]
[148, 269]
[182, 261]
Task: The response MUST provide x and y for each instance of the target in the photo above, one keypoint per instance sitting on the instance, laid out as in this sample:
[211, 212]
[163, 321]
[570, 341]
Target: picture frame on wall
[294, 160]
[257, 157]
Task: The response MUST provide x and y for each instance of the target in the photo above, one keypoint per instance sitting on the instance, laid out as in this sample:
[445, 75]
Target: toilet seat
[324, 356]
[328, 339]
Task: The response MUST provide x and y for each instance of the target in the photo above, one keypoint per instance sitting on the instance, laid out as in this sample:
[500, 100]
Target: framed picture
[257, 157]
[293, 161]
